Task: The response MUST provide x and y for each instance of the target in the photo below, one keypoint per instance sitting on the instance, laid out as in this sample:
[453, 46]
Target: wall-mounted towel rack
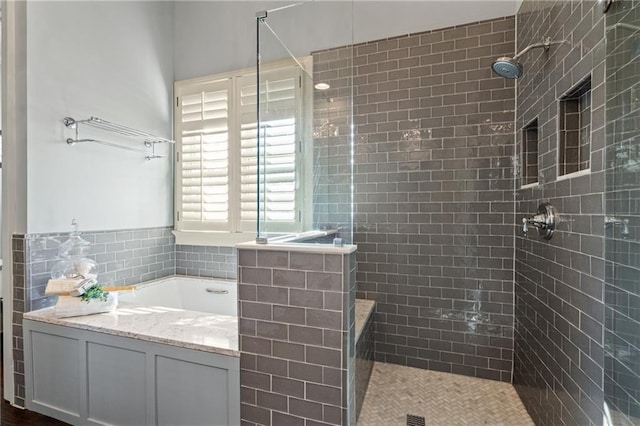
[148, 140]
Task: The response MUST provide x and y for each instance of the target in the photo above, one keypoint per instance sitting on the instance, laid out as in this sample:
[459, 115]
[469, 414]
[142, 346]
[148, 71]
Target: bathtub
[216, 296]
[164, 340]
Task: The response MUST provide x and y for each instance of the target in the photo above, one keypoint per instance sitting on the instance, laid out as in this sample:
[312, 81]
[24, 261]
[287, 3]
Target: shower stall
[423, 151]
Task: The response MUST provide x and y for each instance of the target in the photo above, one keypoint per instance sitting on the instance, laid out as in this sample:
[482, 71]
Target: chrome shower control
[545, 220]
[624, 223]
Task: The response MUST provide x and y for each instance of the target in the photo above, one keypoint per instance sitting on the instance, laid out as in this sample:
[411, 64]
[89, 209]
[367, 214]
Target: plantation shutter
[205, 131]
[216, 135]
[279, 133]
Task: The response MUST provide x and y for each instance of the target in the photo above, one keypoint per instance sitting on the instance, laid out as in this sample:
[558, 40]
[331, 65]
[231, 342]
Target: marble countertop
[176, 327]
[364, 308]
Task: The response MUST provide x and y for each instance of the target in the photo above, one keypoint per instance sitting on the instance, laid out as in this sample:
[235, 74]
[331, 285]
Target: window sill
[574, 174]
[530, 185]
[212, 238]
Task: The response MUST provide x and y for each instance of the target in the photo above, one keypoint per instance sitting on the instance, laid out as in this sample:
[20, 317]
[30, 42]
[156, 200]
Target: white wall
[14, 156]
[113, 60]
[216, 36]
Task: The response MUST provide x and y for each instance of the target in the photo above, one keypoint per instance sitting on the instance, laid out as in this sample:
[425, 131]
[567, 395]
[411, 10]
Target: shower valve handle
[538, 221]
[544, 220]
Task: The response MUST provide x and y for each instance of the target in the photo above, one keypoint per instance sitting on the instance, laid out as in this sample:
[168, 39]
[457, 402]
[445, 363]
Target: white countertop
[176, 327]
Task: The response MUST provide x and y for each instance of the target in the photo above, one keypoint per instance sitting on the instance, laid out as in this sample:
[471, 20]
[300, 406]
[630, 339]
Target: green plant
[94, 292]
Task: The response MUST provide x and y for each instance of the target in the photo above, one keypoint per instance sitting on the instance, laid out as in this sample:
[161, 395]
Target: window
[216, 133]
[575, 129]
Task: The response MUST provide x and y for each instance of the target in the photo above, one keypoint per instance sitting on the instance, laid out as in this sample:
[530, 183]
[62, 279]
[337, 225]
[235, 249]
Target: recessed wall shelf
[575, 129]
[530, 153]
[148, 140]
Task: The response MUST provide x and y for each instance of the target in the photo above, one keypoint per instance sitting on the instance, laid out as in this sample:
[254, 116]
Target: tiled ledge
[305, 248]
[364, 309]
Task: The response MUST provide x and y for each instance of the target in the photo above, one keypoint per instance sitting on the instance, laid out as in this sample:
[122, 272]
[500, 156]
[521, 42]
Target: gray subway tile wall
[20, 288]
[559, 307]
[295, 337]
[434, 195]
[124, 257]
[207, 262]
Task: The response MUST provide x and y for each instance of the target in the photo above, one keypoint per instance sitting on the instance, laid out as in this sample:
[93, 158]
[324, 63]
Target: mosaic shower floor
[442, 399]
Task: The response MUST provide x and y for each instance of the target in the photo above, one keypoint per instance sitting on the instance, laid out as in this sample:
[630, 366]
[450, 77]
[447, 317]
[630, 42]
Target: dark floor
[11, 416]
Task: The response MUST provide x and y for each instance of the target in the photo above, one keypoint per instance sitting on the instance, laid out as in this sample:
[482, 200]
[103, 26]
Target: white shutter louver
[205, 157]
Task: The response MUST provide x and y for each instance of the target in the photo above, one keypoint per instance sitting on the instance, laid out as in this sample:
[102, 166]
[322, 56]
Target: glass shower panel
[622, 221]
[303, 171]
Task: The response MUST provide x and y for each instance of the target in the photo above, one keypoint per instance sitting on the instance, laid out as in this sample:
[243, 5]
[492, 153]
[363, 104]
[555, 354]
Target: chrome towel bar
[148, 140]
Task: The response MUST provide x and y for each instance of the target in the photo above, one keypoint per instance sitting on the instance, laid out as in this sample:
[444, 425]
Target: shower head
[510, 67]
[507, 67]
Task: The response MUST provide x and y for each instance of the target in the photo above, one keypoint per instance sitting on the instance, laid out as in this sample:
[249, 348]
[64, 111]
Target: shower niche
[530, 154]
[575, 129]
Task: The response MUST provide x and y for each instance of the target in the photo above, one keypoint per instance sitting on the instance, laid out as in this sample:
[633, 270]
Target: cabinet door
[116, 380]
[56, 377]
[89, 378]
[190, 394]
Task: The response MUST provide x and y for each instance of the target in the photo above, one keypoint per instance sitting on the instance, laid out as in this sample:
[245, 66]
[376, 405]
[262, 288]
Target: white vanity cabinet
[92, 378]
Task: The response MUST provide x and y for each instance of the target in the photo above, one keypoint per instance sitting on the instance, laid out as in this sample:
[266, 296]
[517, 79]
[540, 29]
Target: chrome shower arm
[546, 44]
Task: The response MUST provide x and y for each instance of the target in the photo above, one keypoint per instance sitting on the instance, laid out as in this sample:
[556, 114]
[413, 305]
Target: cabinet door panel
[116, 385]
[56, 377]
[190, 394]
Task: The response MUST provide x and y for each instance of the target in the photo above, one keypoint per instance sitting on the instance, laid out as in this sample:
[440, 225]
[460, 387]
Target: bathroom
[448, 158]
